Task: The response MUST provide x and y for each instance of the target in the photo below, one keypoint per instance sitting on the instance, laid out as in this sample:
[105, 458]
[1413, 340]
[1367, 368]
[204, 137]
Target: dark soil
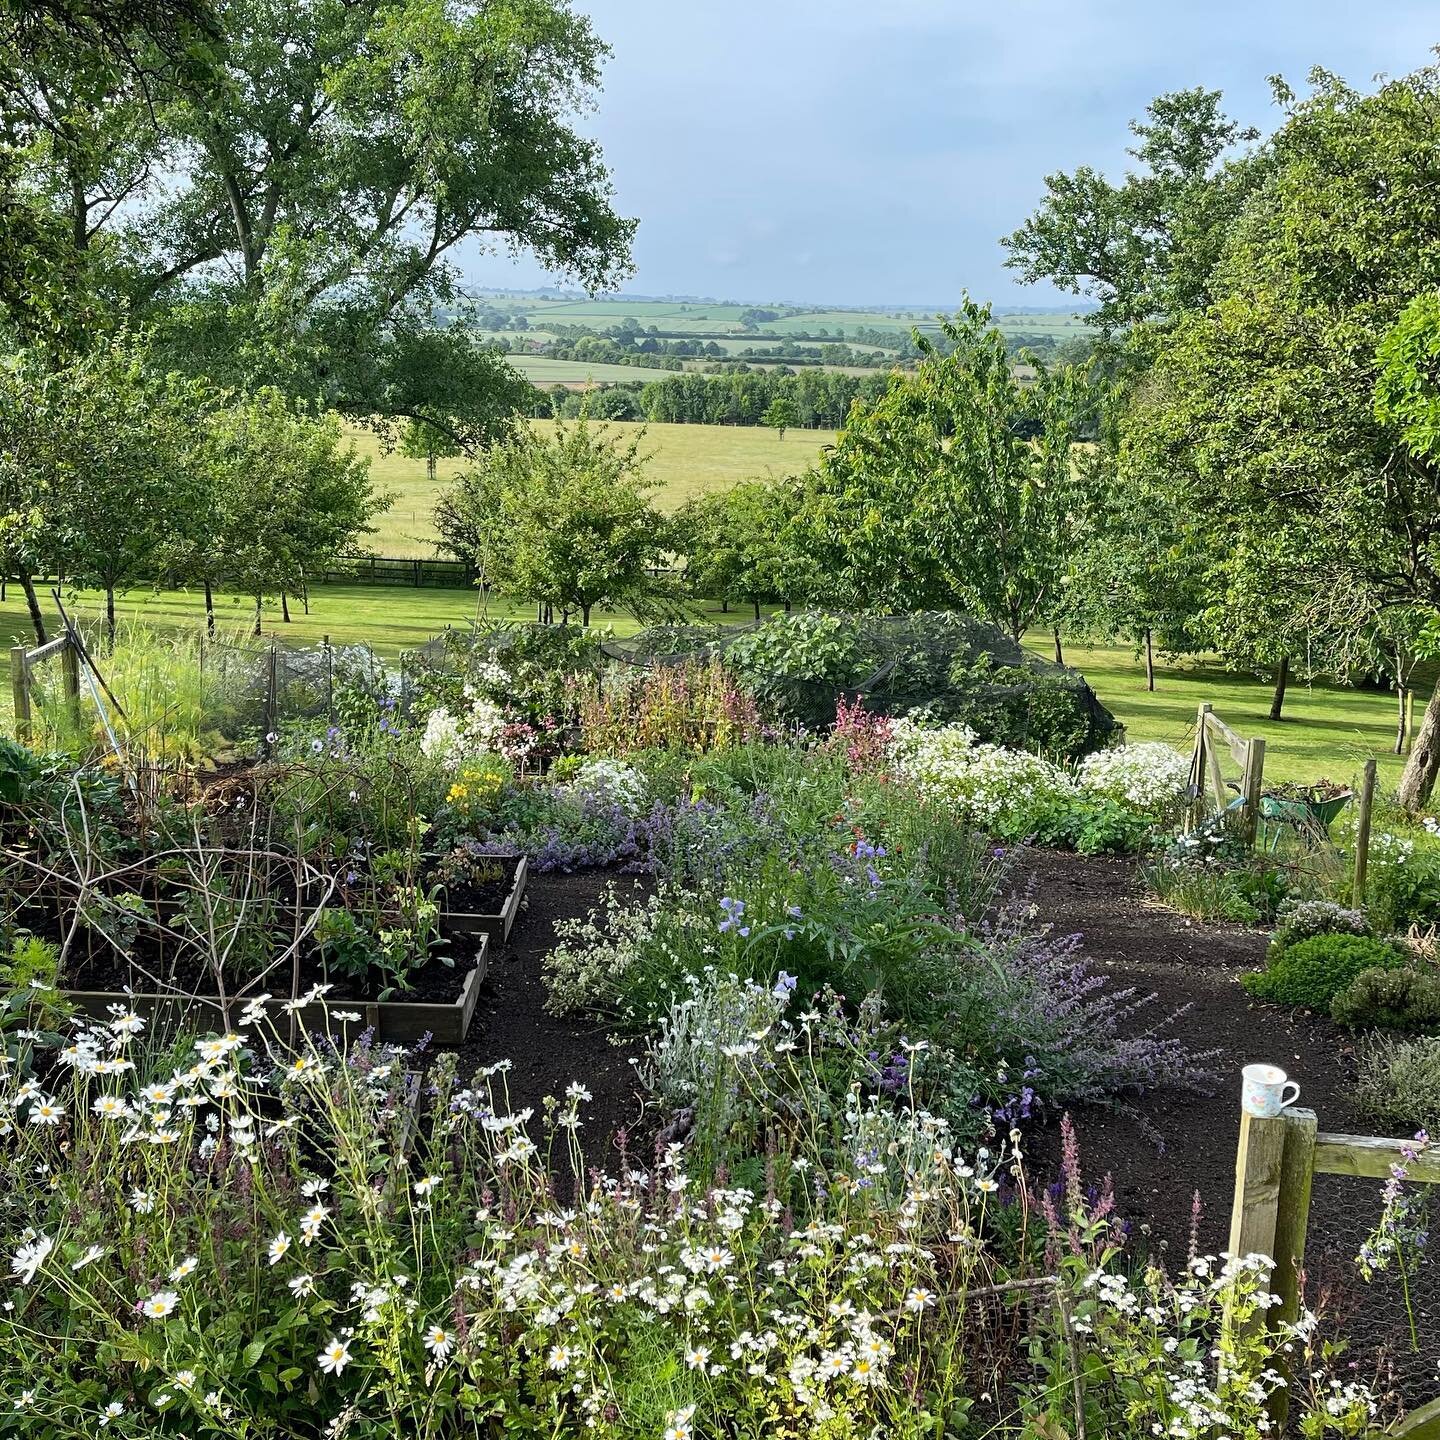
[496, 880]
[1171, 1146]
[547, 1051]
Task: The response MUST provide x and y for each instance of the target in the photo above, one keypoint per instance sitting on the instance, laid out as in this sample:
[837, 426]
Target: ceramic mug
[1263, 1090]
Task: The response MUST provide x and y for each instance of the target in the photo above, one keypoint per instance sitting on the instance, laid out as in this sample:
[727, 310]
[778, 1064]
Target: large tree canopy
[1145, 248]
[288, 212]
[1261, 410]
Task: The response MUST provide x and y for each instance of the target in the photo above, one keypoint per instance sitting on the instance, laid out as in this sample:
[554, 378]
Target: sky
[864, 152]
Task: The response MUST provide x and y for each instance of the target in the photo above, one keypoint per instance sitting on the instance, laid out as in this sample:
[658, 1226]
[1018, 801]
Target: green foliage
[1390, 999]
[1305, 918]
[742, 543]
[1399, 1082]
[956, 488]
[1313, 972]
[1147, 247]
[319, 172]
[562, 519]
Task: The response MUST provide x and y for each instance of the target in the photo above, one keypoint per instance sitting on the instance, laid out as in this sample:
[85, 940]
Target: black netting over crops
[955, 667]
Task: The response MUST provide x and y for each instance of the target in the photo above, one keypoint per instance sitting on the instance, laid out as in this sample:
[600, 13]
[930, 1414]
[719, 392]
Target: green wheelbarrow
[1305, 810]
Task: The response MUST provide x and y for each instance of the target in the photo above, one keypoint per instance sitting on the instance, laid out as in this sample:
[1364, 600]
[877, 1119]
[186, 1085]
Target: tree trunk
[256, 631]
[305, 595]
[32, 604]
[724, 605]
[585, 616]
[1400, 727]
[209, 609]
[1282, 679]
[1059, 653]
[1418, 779]
[430, 468]
[109, 618]
[1149, 659]
[756, 604]
[284, 607]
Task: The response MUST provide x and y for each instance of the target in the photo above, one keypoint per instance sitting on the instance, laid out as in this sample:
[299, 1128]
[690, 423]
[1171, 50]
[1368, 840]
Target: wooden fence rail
[1213, 737]
[1275, 1168]
[23, 661]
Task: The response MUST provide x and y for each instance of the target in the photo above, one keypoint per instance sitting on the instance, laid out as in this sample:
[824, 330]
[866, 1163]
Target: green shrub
[1384, 999]
[1305, 918]
[1314, 971]
[1399, 1082]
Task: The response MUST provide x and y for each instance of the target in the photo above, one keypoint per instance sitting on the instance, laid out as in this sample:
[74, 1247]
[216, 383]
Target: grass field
[688, 460]
[542, 370]
[1328, 731]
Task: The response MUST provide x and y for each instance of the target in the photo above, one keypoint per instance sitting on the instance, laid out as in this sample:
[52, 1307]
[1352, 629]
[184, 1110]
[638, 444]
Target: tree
[30, 400]
[957, 487]
[286, 216]
[1271, 411]
[740, 544]
[289, 495]
[781, 414]
[563, 519]
[127, 438]
[422, 441]
[1146, 248]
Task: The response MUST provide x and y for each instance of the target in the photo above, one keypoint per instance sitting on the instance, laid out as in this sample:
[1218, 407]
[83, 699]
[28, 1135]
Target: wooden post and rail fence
[24, 659]
[1275, 1167]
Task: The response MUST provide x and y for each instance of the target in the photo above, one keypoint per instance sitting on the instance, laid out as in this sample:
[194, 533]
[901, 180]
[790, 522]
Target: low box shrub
[1384, 999]
[1301, 919]
[1314, 971]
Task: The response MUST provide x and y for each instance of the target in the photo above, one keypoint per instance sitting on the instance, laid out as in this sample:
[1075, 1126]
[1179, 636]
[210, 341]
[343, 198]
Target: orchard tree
[31, 400]
[742, 544]
[127, 441]
[957, 487]
[1280, 410]
[290, 494]
[563, 519]
[422, 441]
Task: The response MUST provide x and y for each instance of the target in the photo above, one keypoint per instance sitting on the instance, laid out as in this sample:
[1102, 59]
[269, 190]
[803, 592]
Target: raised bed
[496, 926]
[399, 1021]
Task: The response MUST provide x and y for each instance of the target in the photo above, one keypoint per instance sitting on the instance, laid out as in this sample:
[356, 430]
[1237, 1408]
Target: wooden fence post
[20, 690]
[1250, 787]
[70, 675]
[1197, 764]
[1362, 833]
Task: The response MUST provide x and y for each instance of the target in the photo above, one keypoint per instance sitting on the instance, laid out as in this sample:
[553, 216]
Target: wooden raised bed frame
[398, 1021]
[497, 927]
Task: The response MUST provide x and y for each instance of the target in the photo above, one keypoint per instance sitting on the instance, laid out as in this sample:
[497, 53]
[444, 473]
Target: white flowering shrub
[611, 782]
[454, 738]
[1150, 776]
[985, 781]
[586, 967]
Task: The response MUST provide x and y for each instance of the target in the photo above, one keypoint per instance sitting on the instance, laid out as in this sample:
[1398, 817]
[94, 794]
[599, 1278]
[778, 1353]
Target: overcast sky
[874, 151]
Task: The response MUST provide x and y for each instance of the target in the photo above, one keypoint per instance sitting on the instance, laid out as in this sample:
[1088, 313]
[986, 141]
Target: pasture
[689, 460]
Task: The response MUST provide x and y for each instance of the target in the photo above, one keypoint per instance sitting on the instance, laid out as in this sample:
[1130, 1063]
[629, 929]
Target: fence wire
[1400, 1357]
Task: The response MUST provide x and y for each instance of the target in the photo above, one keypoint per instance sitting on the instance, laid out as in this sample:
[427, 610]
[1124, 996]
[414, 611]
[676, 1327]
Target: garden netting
[954, 667]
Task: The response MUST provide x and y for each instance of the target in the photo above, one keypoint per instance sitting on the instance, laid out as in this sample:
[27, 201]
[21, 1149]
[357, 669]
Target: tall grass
[167, 701]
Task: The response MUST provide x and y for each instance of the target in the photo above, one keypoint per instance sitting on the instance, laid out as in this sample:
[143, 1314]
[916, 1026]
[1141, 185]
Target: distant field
[688, 459]
[541, 370]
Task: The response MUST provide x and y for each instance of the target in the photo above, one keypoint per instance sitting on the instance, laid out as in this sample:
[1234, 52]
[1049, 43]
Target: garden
[698, 1037]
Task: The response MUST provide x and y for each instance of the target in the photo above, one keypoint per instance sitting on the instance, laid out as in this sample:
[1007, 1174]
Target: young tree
[739, 544]
[289, 496]
[781, 414]
[422, 441]
[127, 436]
[957, 487]
[563, 519]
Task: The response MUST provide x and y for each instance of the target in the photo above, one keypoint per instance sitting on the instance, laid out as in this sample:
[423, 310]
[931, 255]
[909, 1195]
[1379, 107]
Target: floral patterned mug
[1263, 1090]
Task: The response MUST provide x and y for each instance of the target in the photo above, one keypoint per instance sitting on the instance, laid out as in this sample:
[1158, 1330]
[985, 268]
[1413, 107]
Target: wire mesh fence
[1392, 1321]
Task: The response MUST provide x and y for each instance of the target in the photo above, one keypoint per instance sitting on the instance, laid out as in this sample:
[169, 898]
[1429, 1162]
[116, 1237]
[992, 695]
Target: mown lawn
[687, 460]
[1327, 730]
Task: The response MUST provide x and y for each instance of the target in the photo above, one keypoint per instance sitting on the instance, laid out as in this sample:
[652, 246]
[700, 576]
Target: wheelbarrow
[1309, 816]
